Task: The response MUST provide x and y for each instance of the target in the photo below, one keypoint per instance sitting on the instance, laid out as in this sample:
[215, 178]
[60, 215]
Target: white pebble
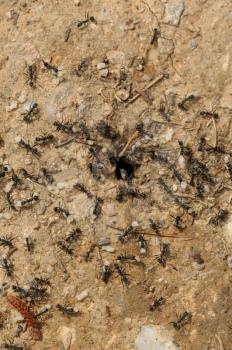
[108, 248]
[83, 295]
[8, 186]
[28, 161]
[134, 224]
[104, 72]
[229, 261]
[18, 139]
[13, 105]
[101, 65]
[183, 185]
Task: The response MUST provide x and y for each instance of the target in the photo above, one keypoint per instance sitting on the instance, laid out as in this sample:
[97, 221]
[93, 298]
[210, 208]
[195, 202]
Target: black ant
[200, 189]
[37, 293]
[83, 65]
[29, 244]
[6, 241]
[121, 271]
[64, 127]
[7, 266]
[155, 227]
[31, 72]
[164, 254]
[157, 303]
[51, 67]
[131, 258]
[62, 211]
[207, 114]
[183, 104]
[124, 192]
[34, 151]
[106, 273]
[164, 160]
[178, 222]
[28, 115]
[44, 139]
[25, 173]
[87, 255]
[105, 130]
[73, 236]
[2, 173]
[69, 311]
[65, 248]
[154, 38]
[182, 320]
[16, 180]
[142, 245]
[82, 24]
[41, 281]
[221, 216]
[80, 187]
[129, 229]
[85, 130]
[10, 201]
[47, 175]
[29, 201]
[97, 207]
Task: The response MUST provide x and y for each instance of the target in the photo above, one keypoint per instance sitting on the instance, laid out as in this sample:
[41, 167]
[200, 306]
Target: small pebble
[13, 105]
[104, 241]
[67, 336]
[229, 261]
[101, 65]
[42, 208]
[173, 12]
[174, 188]
[18, 139]
[108, 248]
[8, 186]
[83, 295]
[28, 161]
[197, 266]
[135, 224]
[104, 73]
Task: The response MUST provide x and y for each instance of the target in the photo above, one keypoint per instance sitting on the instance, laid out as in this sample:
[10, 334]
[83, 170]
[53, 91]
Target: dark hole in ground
[124, 169]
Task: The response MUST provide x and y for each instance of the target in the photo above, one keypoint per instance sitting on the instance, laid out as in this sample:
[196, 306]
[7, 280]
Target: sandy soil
[102, 63]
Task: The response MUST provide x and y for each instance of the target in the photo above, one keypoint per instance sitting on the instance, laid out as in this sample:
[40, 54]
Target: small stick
[66, 142]
[221, 346]
[152, 83]
[215, 128]
[134, 136]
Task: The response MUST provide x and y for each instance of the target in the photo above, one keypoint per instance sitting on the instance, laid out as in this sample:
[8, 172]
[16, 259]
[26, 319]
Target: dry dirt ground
[105, 56]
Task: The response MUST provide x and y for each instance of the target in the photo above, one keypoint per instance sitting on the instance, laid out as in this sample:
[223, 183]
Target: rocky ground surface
[116, 170]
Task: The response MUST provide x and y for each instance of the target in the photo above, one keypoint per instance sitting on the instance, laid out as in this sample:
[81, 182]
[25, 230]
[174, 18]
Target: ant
[73, 236]
[157, 303]
[121, 271]
[183, 104]
[65, 248]
[164, 254]
[7, 266]
[142, 245]
[83, 65]
[87, 255]
[83, 189]
[62, 211]
[34, 151]
[221, 216]
[38, 293]
[23, 293]
[48, 176]
[124, 191]
[82, 24]
[44, 139]
[69, 311]
[154, 38]
[128, 229]
[229, 169]
[29, 201]
[2, 173]
[15, 179]
[64, 127]
[155, 227]
[41, 281]
[207, 114]
[97, 207]
[31, 73]
[10, 201]
[106, 273]
[28, 115]
[182, 320]
[51, 67]
[6, 241]
[105, 130]
[29, 244]
[84, 130]
[178, 222]
[29, 176]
